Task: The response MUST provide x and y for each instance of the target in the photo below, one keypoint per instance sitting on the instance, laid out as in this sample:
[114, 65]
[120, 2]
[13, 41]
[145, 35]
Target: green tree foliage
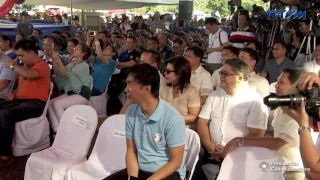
[207, 6]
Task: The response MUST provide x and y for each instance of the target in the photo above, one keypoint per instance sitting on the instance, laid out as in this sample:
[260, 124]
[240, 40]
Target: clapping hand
[8, 63]
[55, 56]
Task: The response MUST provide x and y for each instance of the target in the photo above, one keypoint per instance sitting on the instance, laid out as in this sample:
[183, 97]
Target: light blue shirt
[101, 73]
[154, 136]
[6, 74]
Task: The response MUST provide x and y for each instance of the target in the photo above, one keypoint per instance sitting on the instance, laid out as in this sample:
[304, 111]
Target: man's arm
[218, 49]
[3, 84]
[192, 115]
[26, 73]
[131, 159]
[174, 164]
[204, 134]
[203, 99]
[255, 133]
[128, 64]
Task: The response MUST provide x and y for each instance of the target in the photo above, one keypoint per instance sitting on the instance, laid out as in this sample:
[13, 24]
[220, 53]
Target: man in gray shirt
[273, 67]
[24, 27]
[7, 78]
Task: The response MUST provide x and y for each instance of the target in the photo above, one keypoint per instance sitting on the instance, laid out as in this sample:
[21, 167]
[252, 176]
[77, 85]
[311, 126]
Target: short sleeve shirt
[232, 117]
[273, 69]
[6, 74]
[155, 136]
[216, 78]
[201, 80]
[312, 66]
[286, 129]
[101, 73]
[214, 42]
[126, 57]
[38, 88]
[188, 98]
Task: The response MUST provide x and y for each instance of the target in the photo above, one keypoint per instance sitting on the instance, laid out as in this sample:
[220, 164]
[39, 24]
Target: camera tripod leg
[271, 40]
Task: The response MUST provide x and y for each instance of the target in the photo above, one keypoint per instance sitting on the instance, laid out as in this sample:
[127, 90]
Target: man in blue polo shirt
[128, 58]
[155, 131]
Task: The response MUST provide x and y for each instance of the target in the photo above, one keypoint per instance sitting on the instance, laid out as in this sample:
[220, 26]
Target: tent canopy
[101, 4]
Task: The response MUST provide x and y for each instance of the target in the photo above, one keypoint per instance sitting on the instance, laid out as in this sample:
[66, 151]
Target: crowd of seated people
[165, 89]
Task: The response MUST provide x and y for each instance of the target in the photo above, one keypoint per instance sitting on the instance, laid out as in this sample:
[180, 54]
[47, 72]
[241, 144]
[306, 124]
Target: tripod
[273, 33]
[308, 36]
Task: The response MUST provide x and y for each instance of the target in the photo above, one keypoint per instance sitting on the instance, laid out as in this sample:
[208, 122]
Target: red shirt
[38, 88]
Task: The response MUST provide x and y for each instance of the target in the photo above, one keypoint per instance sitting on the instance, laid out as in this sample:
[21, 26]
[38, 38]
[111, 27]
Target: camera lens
[291, 100]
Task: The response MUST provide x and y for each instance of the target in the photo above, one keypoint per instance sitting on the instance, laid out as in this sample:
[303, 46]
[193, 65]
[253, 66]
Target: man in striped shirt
[243, 34]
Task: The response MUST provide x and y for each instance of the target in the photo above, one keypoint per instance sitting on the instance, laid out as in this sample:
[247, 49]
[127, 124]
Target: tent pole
[71, 11]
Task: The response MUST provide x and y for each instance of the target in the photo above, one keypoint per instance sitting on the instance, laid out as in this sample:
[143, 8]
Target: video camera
[231, 5]
[259, 18]
[311, 98]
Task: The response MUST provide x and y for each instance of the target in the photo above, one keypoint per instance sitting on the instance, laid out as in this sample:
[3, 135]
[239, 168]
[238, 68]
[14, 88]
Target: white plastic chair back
[32, 135]
[192, 149]
[70, 146]
[272, 87]
[72, 136]
[110, 147]
[99, 103]
[251, 163]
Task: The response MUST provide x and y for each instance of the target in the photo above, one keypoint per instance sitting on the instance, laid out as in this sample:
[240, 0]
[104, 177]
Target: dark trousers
[12, 112]
[204, 156]
[123, 175]
[95, 92]
[2, 102]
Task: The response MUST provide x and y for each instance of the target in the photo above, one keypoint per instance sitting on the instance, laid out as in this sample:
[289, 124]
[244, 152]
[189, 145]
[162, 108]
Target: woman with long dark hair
[178, 91]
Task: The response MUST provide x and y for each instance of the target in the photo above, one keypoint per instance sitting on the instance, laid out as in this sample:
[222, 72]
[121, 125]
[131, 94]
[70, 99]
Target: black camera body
[311, 98]
[293, 24]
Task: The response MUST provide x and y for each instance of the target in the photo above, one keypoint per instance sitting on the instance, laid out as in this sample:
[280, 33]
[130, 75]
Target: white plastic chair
[251, 163]
[32, 135]
[70, 147]
[108, 154]
[99, 103]
[191, 152]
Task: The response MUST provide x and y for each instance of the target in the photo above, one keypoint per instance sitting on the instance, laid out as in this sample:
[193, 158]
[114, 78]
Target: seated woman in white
[178, 91]
[74, 79]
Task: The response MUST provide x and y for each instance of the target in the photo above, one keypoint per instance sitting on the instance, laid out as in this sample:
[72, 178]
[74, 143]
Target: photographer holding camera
[296, 37]
[310, 153]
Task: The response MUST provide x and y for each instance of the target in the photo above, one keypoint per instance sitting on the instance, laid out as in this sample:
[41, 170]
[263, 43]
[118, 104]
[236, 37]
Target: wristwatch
[240, 141]
[303, 128]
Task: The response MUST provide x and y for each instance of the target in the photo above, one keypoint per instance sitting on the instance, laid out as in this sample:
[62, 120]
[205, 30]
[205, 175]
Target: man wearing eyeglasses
[233, 111]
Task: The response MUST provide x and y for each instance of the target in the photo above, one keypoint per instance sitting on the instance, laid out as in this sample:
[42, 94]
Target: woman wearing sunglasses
[178, 91]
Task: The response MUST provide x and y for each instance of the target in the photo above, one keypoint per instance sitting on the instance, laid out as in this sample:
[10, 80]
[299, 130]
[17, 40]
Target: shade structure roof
[101, 4]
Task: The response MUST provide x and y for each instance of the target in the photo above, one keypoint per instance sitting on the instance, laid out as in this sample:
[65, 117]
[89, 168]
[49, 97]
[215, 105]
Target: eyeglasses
[224, 74]
[168, 71]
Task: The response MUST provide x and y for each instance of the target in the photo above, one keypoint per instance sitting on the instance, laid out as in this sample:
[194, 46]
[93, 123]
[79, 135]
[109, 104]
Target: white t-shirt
[312, 66]
[216, 78]
[214, 42]
[201, 80]
[232, 117]
[259, 84]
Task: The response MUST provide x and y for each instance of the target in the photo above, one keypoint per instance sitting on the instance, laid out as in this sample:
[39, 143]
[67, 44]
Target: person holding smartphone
[155, 131]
